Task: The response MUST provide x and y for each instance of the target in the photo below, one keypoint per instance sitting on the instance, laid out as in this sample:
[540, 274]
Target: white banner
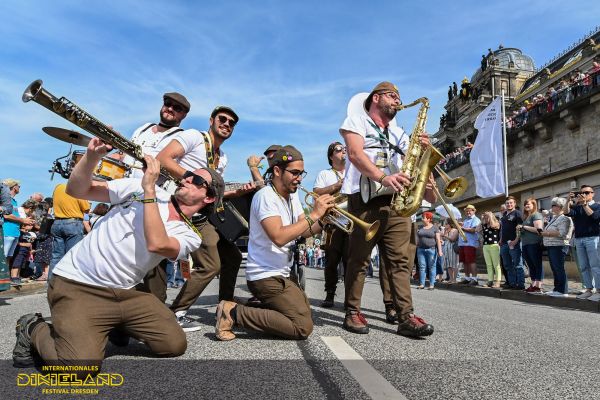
[487, 156]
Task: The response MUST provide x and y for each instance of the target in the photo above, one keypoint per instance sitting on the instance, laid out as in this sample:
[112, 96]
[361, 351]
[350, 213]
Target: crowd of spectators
[457, 157]
[37, 232]
[579, 83]
[514, 242]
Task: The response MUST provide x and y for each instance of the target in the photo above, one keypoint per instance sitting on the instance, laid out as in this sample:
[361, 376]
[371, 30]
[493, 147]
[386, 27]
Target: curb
[519, 295]
[26, 287]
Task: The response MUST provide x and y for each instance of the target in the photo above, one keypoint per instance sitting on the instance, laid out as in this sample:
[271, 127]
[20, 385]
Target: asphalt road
[482, 348]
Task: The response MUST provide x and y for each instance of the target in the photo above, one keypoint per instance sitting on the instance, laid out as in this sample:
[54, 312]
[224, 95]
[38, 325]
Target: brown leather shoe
[355, 322]
[224, 323]
[414, 327]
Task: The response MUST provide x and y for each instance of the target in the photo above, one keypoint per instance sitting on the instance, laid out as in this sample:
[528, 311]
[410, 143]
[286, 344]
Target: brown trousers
[83, 315]
[335, 251]
[384, 277]
[393, 239]
[285, 309]
[215, 255]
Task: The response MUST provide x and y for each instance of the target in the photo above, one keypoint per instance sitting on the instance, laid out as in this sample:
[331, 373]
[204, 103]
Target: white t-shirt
[365, 127]
[328, 177]
[152, 143]
[194, 157]
[115, 253]
[265, 258]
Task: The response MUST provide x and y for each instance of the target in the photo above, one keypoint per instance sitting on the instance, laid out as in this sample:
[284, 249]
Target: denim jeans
[556, 256]
[174, 274]
[589, 261]
[65, 234]
[513, 264]
[532, 254]
[426, 259]
[439, 265]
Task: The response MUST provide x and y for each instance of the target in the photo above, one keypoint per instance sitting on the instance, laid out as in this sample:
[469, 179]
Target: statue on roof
[483, 63]
[454, 89]
[465, 89]
[449, 93]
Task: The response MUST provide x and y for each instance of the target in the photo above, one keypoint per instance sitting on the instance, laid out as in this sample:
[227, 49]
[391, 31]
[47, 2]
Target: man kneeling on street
[276, 220]
[92, 288]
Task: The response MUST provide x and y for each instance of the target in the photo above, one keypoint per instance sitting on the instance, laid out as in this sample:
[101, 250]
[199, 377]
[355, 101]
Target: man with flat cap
[368, 137]
[190, 150]
[154, 137]
[277, 219]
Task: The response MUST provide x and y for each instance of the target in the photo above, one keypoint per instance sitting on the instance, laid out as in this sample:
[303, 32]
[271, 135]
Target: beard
[388, 110]
[168, 123]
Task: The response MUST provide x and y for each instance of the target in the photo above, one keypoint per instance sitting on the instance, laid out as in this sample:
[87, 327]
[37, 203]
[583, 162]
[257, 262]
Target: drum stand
[57, 166]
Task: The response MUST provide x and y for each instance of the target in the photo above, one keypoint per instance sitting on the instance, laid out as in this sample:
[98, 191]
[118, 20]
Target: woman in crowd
[490, 229]
[24, 245]
[556, 236]
[531, 241]
[43, 248]
[428, 243]
[450, 257]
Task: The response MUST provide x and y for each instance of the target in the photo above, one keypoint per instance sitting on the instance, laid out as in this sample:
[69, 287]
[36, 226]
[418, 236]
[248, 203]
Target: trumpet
[342, 218]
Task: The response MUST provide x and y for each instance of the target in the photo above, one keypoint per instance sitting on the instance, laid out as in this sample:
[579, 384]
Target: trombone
[342, 218]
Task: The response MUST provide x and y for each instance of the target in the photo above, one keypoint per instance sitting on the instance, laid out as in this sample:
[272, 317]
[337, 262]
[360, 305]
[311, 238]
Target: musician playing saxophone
[369, 154]
[329, 181]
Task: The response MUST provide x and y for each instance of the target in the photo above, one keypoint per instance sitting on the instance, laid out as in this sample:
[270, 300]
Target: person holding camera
[586, 216]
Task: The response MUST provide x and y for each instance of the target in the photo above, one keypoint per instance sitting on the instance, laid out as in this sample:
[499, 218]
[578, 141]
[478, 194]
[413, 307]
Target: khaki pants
[215, 255]
[384, 277]
[335, 251]
[155, 282]
[286, 311]
[83, 315]
[393, 239]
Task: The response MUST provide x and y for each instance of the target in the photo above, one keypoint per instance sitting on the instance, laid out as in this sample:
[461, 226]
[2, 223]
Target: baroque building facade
[553, 135]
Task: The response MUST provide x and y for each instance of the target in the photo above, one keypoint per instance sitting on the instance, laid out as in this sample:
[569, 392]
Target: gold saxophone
[418, 163]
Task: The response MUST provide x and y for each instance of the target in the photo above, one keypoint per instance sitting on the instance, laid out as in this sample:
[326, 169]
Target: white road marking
[376, 386]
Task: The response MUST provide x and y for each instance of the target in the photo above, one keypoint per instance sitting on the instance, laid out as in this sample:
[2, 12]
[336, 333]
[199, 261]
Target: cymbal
[69, 136]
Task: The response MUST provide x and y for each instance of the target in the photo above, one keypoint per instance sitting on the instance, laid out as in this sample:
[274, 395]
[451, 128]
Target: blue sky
[287, 68]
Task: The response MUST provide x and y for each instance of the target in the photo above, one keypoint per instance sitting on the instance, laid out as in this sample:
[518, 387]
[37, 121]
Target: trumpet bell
[371, 230]
[456, 187]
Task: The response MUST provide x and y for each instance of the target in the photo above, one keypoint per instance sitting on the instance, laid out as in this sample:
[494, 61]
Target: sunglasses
[198, 181]
[174, 106]
[296, 173]
[223, 119]
[392, 96]
[339, 148]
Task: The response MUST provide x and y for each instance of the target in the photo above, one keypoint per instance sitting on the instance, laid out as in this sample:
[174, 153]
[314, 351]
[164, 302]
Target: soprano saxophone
[75, 114]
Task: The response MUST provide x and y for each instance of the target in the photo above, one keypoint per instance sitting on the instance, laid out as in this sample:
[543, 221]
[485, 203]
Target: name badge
[381, 159]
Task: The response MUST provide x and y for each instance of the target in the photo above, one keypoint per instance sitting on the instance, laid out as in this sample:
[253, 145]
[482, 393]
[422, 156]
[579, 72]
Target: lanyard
[384, 138]
[337, 174]
[210, 151]
[289, 207]
[184, 217]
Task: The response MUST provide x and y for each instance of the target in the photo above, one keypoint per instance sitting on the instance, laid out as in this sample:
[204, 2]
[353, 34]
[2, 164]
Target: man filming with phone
[586, 215]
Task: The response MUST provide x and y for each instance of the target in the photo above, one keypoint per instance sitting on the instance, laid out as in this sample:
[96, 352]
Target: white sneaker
[557, 294]
[188, 324]
[584, 295]
[594, 297]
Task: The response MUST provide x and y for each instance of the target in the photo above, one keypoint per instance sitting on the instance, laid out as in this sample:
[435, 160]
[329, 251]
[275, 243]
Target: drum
[76, 156]
[110, 169]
